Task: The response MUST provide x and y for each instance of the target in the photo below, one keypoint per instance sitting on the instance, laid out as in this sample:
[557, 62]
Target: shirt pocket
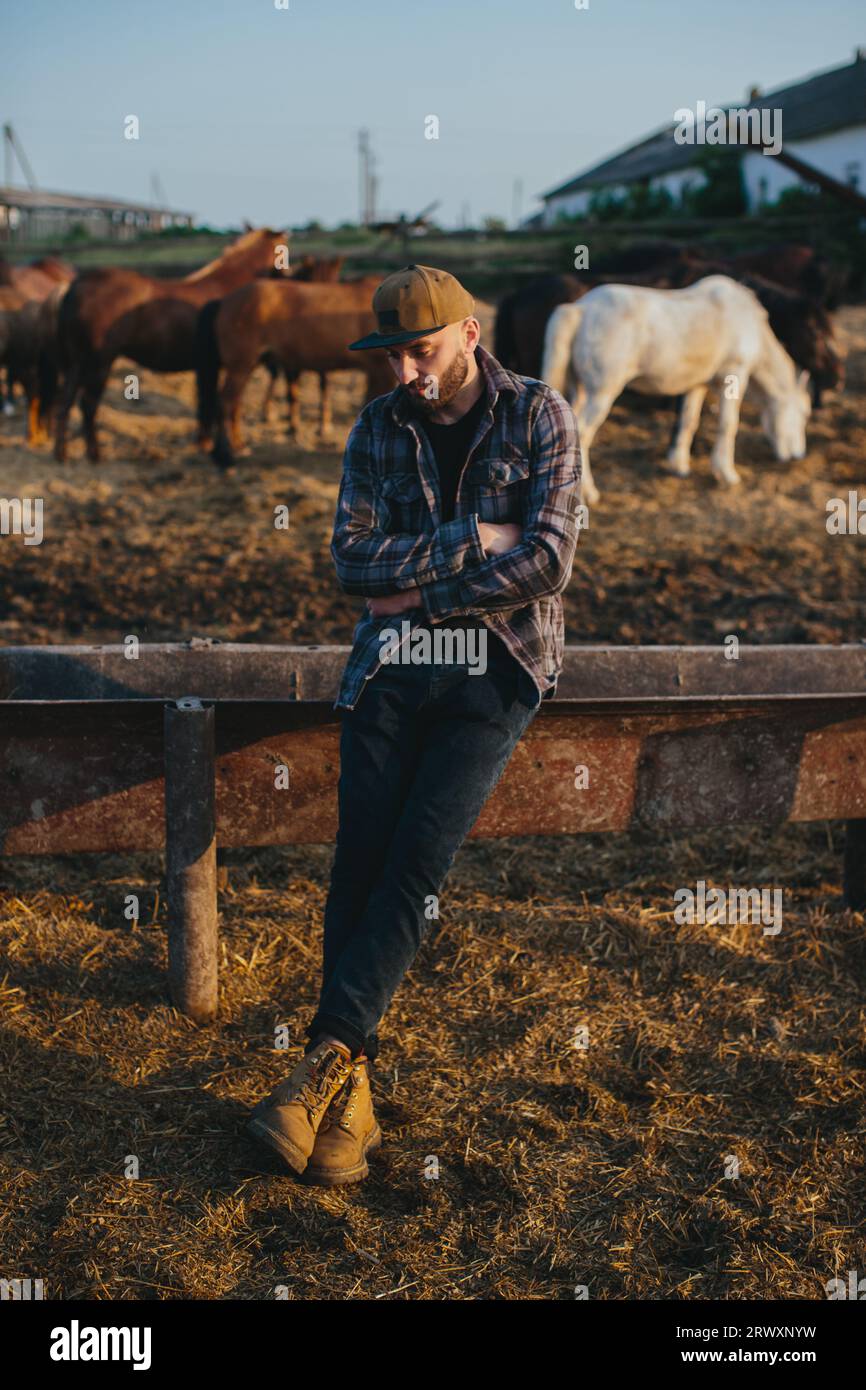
[496, 486]
[403, 495]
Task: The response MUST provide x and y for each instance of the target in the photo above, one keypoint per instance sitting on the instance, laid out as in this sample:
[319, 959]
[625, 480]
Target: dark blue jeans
[419, 755]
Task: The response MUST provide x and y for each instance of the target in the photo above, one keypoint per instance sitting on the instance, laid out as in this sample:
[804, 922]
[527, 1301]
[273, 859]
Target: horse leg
[678, 460]
[233, 414]
[268, 399]
[46, 390]
[293, 396]
[34, 431]
[6, 395]
[326, 429]
[722, 456]
[68, 397]
[591, 412]
[91, 395]
[228, 439]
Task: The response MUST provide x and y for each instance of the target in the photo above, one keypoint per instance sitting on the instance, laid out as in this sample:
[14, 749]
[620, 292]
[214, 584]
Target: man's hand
[394, 603]
[497, 537]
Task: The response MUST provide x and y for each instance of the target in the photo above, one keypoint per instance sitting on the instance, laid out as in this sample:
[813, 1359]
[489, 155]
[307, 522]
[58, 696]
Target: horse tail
[559, 338]
[66, 331]
[207, 368]
[504, 345]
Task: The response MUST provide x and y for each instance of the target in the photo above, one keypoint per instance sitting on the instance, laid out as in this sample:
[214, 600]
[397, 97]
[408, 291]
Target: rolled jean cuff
[341, 1030]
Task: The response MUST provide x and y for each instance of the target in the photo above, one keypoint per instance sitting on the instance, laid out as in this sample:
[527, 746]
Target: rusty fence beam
[190, 857]
[88, 776]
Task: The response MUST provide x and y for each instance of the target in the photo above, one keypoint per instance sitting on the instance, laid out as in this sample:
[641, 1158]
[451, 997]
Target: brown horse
[113, 313]
[36, 280]
[307, 327]
[312, 270]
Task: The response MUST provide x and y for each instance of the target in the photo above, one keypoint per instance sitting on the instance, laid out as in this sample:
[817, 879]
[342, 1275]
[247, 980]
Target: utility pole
[157, 191]
[517, 202]
[366, 179]
[14, 147]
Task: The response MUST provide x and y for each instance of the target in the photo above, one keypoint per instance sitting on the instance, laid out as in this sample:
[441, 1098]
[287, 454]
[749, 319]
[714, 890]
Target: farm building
[33, 214]
[823, 123]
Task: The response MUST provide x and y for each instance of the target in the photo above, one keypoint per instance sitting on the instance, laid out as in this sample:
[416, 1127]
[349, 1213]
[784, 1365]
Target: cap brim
[374, 340]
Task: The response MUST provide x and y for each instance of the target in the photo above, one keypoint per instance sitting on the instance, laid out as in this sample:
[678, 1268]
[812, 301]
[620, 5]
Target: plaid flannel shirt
[523, 466]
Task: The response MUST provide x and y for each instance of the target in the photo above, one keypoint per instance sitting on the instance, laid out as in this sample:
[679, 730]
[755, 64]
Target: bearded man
[458, 505]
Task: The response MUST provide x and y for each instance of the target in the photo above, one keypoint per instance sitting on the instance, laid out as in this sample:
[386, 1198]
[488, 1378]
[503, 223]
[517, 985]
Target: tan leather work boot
[289, 1117]
[347, 1133]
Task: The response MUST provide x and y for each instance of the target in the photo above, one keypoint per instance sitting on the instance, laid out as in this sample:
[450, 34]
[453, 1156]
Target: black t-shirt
[451, 445]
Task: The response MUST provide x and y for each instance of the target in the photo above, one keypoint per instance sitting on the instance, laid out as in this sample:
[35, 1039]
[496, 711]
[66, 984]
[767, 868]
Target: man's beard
[450, 383]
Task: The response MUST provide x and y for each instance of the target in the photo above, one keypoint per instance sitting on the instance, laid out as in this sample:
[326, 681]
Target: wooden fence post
[190, 857]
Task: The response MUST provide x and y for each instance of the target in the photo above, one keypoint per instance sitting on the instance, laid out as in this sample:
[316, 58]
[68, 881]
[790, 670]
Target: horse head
[251, 253]
[784, 418]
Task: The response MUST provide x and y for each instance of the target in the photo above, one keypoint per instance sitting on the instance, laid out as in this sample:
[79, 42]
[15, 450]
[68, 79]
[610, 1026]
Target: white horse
[676, 343]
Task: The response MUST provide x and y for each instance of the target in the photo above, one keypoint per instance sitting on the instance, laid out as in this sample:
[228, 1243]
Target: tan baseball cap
[413, 302]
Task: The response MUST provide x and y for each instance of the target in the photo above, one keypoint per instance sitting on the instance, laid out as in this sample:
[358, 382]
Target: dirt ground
[557, 1166]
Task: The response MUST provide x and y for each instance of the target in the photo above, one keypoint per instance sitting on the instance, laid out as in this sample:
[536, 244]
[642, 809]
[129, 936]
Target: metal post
[190, 857]
[854, 877]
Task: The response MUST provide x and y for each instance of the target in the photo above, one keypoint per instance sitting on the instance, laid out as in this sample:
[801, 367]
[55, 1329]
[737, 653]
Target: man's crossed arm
[465, 565]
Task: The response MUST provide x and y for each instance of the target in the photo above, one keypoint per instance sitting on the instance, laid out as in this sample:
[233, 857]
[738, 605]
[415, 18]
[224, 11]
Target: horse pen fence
[192, 746]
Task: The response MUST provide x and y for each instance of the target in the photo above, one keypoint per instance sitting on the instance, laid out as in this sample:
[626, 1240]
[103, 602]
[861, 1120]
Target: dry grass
[556, 1166]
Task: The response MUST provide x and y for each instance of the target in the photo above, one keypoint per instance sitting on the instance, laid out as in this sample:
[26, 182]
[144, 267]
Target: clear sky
[249, 111]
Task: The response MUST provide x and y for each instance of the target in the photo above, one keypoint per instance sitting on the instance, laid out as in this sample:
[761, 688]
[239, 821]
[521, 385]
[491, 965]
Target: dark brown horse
[11, 302]
[307, 327]
[113, 313]
[32, 359]
[801, 269]
[518, 340]
[20, 284]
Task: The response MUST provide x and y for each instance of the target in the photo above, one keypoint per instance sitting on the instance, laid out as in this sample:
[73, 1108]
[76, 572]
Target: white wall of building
[574, 204]
[841, 154]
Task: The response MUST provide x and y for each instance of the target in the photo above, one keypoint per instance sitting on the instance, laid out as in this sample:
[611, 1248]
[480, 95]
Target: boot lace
[336, 1112]
[312, 1091]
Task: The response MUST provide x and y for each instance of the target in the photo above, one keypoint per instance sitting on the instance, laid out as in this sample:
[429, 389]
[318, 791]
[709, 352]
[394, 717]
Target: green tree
[723, 193]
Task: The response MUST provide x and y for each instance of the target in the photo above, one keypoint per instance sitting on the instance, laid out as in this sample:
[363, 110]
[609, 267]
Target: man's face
[432, 370]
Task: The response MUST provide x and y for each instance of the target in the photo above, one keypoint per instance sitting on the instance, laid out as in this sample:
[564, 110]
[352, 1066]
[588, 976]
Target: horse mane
[768, 371]
[239, 250]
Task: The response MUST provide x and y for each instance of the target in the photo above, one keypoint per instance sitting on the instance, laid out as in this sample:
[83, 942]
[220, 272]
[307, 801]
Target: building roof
[37, 199]
[828, 101]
